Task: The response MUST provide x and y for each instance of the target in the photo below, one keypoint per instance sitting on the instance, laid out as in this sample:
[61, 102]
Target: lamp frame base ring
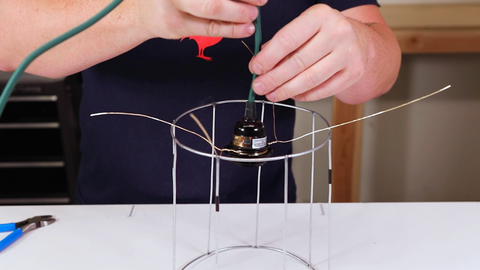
[214, 252]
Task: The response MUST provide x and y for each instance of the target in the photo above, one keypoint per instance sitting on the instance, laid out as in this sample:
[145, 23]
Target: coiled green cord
[7, 91]
[258, 41]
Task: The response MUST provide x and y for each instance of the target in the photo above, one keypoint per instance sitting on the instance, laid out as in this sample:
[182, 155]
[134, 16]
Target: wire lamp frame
[215, 176]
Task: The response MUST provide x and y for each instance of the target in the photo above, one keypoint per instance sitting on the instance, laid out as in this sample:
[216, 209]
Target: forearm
[26, 25]
[382, 58]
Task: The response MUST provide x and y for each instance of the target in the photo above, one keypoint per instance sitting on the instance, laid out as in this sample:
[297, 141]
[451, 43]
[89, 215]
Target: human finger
[336, 84]
[254, 2]
[194, 26]
[285, 41]
[292, 65]
[308, 79]
[219, 10]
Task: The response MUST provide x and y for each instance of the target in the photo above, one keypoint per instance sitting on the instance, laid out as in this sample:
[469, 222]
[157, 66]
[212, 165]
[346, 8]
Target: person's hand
[173, 19]
[317, 55]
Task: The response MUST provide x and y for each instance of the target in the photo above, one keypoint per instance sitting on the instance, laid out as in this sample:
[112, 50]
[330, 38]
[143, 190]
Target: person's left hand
[317, 55]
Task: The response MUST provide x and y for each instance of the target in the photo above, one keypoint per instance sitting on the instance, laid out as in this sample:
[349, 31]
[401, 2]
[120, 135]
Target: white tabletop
[364, 236]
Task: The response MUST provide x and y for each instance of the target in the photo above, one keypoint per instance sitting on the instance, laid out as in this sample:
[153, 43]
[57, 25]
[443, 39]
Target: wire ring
[236, 159]
[212, 253]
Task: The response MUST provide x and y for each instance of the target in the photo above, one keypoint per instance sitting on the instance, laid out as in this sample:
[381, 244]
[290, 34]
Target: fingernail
[253, 14]
[271, 96]
[250, 29]
[259, 88]
[262, 2]
[250, 65]
[258, 69]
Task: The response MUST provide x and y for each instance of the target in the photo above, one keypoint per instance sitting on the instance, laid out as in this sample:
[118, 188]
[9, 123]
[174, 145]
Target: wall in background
[429, 151]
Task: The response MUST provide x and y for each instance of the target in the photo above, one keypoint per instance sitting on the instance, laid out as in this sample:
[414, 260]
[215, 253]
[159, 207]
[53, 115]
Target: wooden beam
[432, 16]
[439, 40]
[453, 28]
[346, 152]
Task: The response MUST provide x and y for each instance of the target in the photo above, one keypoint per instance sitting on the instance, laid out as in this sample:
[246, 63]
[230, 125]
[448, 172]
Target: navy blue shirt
[128, 159]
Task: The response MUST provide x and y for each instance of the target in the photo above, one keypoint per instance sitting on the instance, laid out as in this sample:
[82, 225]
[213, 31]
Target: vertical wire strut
[312, 182]
[217, 185]
[132, 211]
[217, 212]
[258, 205]
[174, 182]
[258, 187]
[285, 221]
[329, 200]
[211, 179]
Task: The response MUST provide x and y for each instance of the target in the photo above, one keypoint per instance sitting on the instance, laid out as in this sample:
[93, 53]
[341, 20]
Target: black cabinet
[39, 137]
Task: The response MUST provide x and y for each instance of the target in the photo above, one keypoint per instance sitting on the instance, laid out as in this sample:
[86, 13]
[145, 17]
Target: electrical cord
[7, 91]
[258, 41]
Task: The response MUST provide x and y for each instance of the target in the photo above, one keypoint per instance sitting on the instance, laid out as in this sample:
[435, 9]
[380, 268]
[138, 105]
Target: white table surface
[364, 236]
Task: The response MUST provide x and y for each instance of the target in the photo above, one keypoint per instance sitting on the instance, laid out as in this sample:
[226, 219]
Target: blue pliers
[22, 227]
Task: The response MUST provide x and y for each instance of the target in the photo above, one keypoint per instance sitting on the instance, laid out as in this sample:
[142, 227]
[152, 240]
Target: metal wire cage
[215, 177]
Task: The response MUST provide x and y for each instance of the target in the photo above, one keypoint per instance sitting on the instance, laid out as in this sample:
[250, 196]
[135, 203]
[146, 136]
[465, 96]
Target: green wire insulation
[7, 91]
[258, 41]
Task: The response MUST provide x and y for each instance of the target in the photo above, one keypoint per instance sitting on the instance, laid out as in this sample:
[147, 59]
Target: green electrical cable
[258, 41]
[7, 91]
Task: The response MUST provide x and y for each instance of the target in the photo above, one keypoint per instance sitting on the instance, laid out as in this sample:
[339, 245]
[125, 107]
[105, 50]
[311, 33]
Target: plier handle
[19, 228]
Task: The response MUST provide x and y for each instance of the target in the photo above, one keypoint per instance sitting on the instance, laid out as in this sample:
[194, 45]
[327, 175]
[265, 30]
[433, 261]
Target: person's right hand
[172, 19]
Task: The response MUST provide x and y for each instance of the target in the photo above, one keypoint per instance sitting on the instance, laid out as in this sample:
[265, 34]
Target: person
[138, 59]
